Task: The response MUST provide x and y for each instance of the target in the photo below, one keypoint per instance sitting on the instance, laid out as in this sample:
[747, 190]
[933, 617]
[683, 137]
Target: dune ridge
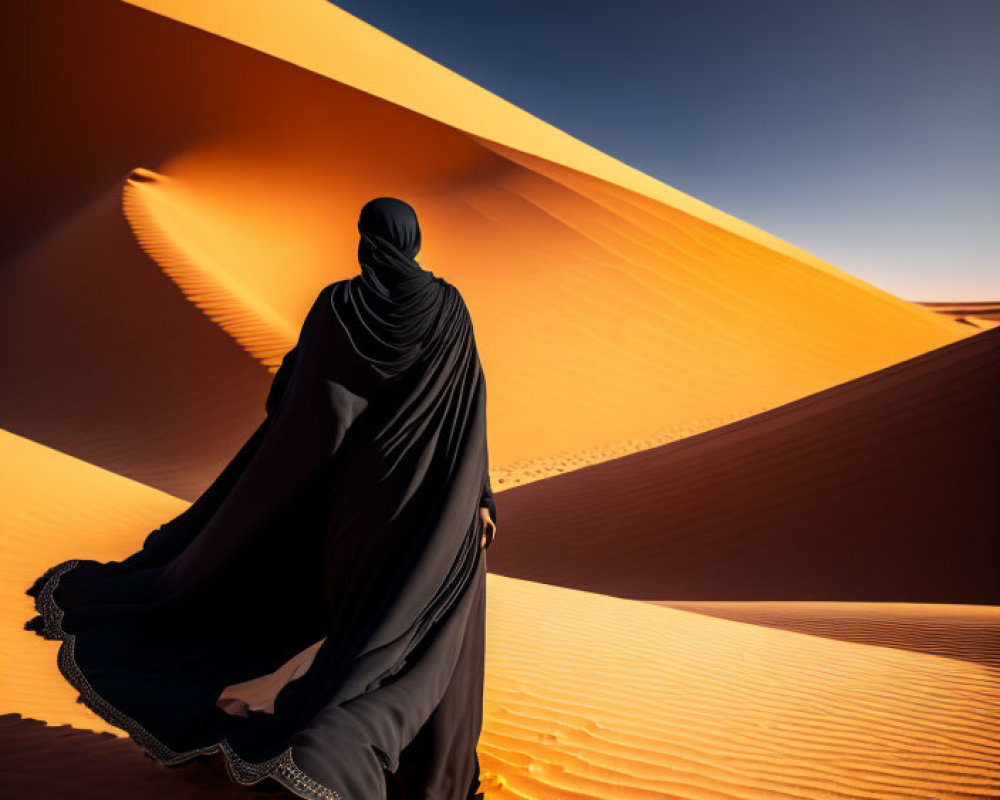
[262, 331]
[880, 489]
[737, 418]
[327, 40]
[136, 380]
[243, 192]
[981, 314]
[966, 632]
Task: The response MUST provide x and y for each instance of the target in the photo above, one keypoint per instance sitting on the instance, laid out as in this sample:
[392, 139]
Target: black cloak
[349, 520]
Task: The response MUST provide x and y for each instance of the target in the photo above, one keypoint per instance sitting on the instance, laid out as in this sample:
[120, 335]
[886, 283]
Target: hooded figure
[317, 615]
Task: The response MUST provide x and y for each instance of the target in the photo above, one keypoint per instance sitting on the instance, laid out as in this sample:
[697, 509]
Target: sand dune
[981, 314]
[586, 695]
[174, 206]
[881, 489]
[50, 762]
[612, 311]
[106, 360]
[589, 696]
[78, 510]
[966, 632]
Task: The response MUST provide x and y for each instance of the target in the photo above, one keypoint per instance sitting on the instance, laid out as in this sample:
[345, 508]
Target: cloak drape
[347, 523]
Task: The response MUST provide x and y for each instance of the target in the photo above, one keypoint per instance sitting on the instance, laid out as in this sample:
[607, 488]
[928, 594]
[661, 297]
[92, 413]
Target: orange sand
[610, 308]
[180, 200]
[966, 632]
[882, 488]
[592, 696]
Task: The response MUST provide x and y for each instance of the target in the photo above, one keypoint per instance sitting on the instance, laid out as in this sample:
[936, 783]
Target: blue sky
[865, 131]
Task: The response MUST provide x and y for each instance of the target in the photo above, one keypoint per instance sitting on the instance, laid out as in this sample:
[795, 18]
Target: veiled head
[394, 221]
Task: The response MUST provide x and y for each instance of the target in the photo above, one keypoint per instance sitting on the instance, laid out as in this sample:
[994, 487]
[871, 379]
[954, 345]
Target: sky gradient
[864, 131]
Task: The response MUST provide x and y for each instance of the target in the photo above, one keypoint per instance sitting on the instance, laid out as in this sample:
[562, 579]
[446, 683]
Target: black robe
[349, 517]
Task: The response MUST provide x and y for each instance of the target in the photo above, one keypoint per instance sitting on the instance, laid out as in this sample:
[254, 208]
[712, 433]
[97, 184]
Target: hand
[489, 527]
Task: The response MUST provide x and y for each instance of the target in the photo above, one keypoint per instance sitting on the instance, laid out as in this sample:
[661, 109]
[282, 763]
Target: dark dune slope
[883, 488]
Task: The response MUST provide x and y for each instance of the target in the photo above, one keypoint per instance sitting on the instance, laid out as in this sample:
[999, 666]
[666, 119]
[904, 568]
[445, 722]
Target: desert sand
[688, 415]
[212, 172]
[587, 695]
[967, 632]
[883, 488]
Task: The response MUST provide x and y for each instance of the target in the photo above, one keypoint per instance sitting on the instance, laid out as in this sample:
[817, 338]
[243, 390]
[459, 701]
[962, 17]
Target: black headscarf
[349, 516]
[390, 241]
[389, 310]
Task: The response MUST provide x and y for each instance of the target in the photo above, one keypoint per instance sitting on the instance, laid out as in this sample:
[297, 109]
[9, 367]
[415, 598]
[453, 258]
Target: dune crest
[153, 205]
[879, 489]
[966, 632]
[611, 312]
[325, 39]
[981, 314]
[826, 439]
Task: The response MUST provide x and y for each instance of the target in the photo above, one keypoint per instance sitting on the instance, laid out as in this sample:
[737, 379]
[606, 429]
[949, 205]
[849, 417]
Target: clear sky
[864, 131]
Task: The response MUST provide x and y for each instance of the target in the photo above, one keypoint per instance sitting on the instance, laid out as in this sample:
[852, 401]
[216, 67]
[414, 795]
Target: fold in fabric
[347, 523]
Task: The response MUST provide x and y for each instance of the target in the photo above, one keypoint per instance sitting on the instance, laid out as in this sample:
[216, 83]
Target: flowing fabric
[336, 559]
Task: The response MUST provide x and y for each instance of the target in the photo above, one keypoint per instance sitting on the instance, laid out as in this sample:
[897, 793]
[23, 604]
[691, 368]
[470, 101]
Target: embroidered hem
[281, 768]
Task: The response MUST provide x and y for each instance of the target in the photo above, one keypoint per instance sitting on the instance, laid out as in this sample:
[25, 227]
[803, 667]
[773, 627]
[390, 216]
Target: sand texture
[161, 265]
[747, 537]
[881, 489]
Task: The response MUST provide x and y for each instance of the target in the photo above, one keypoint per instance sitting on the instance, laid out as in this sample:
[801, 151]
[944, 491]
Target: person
[317, 615]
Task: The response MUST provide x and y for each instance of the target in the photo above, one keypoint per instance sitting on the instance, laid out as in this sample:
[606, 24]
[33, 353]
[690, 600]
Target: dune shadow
[56, 761]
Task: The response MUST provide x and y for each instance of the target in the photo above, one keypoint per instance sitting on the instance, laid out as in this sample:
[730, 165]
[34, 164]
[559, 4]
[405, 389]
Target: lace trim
[281, 768]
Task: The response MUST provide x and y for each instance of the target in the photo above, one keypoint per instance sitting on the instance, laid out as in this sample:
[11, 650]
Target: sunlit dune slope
[594, 696]
[105, 359]
[881, 489]
[612, 311]
[56, 507]
[587, 696]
